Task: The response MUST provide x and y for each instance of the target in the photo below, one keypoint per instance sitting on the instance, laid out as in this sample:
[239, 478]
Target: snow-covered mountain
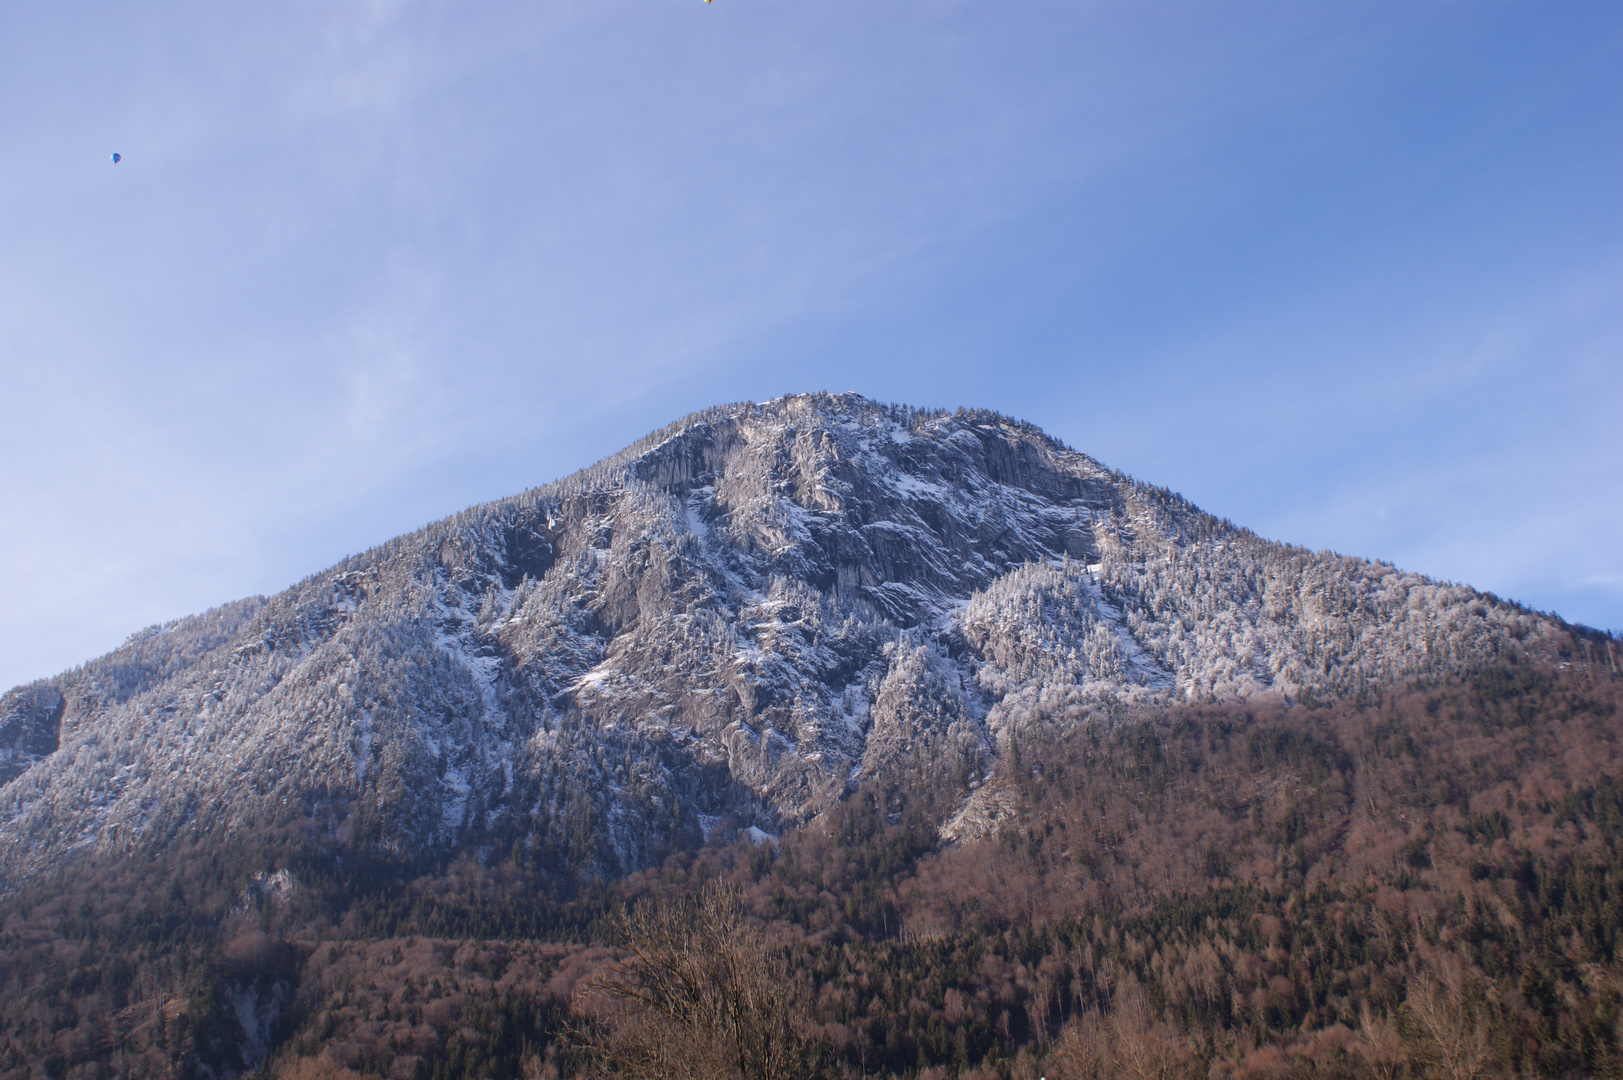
[729, 624]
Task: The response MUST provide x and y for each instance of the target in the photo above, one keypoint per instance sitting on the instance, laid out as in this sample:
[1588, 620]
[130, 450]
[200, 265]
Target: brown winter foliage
[1425, 881]
[699, 993]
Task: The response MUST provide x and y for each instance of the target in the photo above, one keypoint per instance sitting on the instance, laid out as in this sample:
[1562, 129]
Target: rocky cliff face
[30, 729]
[729, 624]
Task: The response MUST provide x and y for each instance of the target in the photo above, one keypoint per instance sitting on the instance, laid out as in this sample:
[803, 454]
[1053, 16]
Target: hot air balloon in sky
[117, 158]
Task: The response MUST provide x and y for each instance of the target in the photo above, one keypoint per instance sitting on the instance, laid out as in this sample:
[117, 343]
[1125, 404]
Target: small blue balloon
[117, 158]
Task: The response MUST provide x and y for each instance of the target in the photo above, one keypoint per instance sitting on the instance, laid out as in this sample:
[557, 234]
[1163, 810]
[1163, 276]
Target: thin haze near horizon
[1348, 273]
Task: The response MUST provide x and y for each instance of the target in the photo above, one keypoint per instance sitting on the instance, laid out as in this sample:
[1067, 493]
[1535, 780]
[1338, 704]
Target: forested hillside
[822, 737]
[1425, 881]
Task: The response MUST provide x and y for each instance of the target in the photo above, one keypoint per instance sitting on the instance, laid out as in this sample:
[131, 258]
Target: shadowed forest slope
[1426, 881]
[822, 737]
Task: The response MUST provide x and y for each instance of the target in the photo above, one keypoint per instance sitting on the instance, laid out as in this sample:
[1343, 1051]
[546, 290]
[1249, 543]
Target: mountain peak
[737, 619]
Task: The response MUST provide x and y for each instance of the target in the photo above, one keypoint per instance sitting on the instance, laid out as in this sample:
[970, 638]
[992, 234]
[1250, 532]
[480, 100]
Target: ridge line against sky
[1347, 274]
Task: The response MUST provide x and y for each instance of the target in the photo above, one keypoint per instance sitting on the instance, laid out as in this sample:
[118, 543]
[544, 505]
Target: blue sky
[1350, 274]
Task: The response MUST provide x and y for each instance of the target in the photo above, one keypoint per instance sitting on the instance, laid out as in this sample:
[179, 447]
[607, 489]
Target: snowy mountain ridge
[730, 624]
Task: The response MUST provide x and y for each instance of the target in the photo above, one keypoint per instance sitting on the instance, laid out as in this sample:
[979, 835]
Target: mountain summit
[729, 625]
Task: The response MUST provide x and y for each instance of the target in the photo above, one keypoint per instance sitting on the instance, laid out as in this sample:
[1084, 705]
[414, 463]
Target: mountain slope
[730, 623]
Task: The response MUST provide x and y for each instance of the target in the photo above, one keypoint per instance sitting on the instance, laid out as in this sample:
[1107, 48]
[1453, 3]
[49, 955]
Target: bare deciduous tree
[1378, 1048]
[314, 1068]
[1128, 1044]
[699, 993]
[1449, 1022]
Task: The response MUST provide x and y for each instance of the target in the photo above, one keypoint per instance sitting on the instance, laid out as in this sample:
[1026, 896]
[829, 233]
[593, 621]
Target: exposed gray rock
[30, 728]
[736, 619]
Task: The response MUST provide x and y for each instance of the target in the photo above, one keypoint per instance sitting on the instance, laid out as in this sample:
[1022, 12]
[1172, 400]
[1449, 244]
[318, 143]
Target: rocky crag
[728, 625]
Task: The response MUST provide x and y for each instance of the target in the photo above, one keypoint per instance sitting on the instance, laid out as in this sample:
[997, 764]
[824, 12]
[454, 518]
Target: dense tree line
[1424, 882]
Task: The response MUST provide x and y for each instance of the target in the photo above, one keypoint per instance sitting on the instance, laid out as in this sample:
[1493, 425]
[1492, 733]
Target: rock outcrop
[729, 624]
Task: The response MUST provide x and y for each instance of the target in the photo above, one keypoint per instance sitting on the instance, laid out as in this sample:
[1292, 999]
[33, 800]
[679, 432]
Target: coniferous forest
[494, 720]
[823, 738]
[1423, 880]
